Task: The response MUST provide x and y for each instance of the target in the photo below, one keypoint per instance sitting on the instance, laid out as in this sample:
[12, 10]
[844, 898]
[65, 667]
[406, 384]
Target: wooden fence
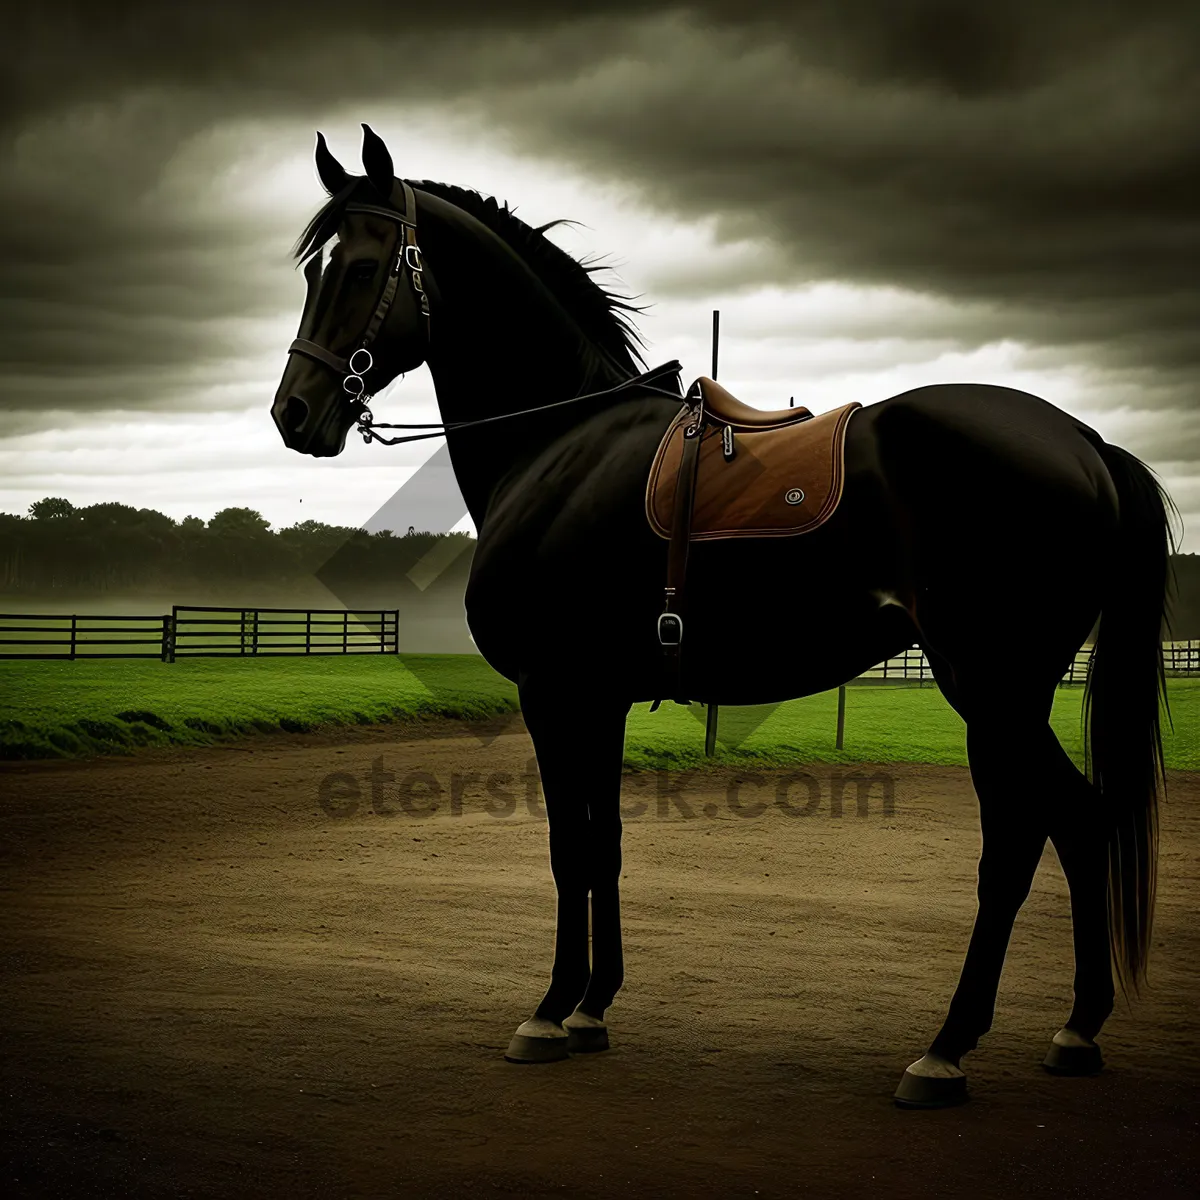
[38, 635]
[190, 631]
[911, 666]
[1179, 659]
[1182, 658]
[238, 632]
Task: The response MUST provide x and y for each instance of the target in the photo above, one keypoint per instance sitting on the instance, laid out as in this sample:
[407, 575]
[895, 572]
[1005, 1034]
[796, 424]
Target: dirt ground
[225, 975]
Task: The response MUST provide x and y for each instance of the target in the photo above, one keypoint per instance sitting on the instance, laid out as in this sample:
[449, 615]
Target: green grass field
[63, 709]
[72, 709]
[883, 724]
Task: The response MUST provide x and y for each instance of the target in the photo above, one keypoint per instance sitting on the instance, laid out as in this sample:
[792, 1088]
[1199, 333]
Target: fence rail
[238, 632]
[1179, 659]
[191, 631]
[41, 635]
[1182, 658]
[910, 665]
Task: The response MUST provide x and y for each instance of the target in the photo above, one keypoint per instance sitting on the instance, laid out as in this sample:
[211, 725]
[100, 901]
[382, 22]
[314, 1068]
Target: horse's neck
[483, 456]
[505, 350]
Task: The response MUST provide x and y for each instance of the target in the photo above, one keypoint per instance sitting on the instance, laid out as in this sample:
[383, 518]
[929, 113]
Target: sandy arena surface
[217, 984]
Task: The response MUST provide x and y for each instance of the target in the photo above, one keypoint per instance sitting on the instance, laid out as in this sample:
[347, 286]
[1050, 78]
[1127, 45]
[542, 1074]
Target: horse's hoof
[585, 1034]
[1073, 1054]
[931, 1082]
[537, 1041]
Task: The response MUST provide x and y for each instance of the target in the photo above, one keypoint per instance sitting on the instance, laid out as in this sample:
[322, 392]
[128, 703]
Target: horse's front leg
[580, 764]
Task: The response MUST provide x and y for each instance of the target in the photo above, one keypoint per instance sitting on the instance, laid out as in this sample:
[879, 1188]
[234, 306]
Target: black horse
[972, 517]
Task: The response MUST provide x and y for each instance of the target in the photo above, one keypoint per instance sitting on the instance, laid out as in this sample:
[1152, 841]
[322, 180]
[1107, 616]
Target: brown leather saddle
[725, 470]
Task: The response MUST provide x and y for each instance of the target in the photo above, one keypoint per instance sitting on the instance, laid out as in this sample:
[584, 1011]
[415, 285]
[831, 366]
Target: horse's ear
[377, 162]
[331, 172]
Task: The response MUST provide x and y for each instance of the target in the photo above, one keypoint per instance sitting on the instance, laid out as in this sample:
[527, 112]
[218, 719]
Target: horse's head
[366, 318]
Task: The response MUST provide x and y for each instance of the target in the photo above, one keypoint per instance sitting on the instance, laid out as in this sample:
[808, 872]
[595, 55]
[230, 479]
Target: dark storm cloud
[1039, 163]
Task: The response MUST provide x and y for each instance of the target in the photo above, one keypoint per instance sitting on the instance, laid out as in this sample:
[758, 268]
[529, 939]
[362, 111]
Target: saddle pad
[780, 482]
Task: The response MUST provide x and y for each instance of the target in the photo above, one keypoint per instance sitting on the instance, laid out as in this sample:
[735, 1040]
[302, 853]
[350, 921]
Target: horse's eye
[361, 272]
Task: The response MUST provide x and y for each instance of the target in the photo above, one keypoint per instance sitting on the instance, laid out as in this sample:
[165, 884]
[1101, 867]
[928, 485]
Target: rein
[367, 425]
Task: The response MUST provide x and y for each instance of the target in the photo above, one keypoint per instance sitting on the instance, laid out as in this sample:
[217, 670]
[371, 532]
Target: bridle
[408, 260]
[355, 367]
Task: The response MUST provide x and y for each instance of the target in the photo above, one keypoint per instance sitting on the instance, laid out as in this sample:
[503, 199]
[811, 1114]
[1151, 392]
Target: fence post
[174, 632]
[711, 717]
[308, 632]
[841, 720]
[74, 619]
[345, 629]
[254, 644]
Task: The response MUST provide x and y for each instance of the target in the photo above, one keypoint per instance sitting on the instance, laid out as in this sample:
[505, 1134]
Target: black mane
[596, 311]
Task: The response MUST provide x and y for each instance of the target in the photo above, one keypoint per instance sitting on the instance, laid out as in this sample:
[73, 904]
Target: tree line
[102, 548]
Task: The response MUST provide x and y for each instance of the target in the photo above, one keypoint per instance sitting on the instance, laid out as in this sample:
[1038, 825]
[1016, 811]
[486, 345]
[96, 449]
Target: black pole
[710, 731]
[712, 715]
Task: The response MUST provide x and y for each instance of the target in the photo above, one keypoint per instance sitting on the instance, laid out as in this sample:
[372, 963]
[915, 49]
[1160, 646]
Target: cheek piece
[407, 262]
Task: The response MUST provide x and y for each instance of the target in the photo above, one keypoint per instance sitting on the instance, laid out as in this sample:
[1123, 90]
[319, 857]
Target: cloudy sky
[876, 194]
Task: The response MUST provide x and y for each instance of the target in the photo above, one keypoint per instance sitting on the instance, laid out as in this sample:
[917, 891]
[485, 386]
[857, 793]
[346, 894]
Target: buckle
[670, 629]
[412, 257]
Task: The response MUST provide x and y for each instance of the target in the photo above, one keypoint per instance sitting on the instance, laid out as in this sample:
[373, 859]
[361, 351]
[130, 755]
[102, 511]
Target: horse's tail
[1125, 685]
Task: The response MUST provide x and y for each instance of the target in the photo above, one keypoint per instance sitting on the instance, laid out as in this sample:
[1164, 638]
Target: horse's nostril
[295, 413]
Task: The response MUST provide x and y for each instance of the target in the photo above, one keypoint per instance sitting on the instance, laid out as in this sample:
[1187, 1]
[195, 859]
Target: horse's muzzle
[301, 428]
[290, 416]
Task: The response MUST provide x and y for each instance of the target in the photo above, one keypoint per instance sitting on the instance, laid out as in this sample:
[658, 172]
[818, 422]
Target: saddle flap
[782, 480]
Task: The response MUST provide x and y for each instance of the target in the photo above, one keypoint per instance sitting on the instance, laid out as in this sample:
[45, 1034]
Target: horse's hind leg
[1006, 748]
[1079, 834]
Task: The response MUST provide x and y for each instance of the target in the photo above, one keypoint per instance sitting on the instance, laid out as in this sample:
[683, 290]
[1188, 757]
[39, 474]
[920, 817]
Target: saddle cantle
[784, 476]
[722, 405]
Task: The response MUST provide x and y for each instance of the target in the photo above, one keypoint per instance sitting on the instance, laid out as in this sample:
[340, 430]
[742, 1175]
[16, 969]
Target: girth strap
[671, 619]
